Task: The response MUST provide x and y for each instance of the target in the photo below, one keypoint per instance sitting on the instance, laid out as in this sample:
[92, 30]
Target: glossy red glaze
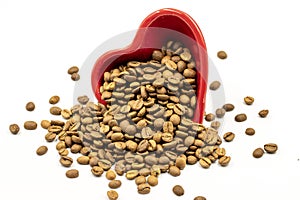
[156, 29]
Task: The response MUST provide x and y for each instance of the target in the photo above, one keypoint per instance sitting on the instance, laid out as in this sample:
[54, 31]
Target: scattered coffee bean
[97, 171]
[228, 107]
[220, 112]
[180, 163]
[263, 113]
[73, 69]
[250, 131]
[174, 171]
[178, 190]
[114, 184]
[30, 125]
[215, 124]
[41, 150]
[214, 85]
[199, 198]
[258, 153]
[54, 99]
[14, 128]
[83, 160]
[30, 106]
[66, 161]
[224, 161]
[210, 117]
[45, 124]
[75, 77]
[110, 175]
[72, 173]
[248, 100]
[270, 148]
[140, 180]
[222, 55]
[152, 180]
[83, 99]
[112, 195]
[205, 162]
[229, 136]
[54, 110]
[143, 188]
[240, 117]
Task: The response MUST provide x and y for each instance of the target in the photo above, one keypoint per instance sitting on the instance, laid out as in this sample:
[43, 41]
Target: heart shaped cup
[156, 29]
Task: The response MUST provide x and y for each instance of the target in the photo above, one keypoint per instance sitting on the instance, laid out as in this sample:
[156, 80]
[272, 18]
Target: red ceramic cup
[156, 29]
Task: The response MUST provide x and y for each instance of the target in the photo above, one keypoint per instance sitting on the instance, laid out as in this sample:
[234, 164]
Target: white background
[40, 40]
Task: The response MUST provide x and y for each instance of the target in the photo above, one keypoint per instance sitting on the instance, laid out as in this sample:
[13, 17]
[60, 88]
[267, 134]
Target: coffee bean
[270, 148]
[60, 145]
[143, 188]
[97, 171]
[83, 160]
[75, 76]
[66, 114]
[152, 180]
[178, 190]
[205, 162]
[250, 131]
[228, 107]
[263, 113]
[175, 119]
[180, 163]
[140, 180]
[157, 55]
[222, 55]
[14, 128]
[186, 56]
[114, 184]
[83, 99]
[72, 173]
[41, 150]
[30, 125]
[199, 198]
[220, 112]
[30, 106]
[66, 161]
[50, 137]
[223, 161]
[132, 174]
[63, 152]
[248, 100]
[189, 73]
[214, 85]
[110, 175]
[240, 117]
[215, 124]
[210, 117]
[229, 136]
[258, 153]
[174, 171]
[112, 195]
[54, 110]
[54, 99]
[73, 69]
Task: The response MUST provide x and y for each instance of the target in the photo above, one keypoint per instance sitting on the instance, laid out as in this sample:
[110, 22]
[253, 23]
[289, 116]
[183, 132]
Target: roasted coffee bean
[220, 112]
[180, 163]
[63, 152]
[263, 113]
[240, 117]
[205, 162]
[66, 114]
[258, 153]
[228, 107]
[248, 100]
[54, 110]
[152, 180]
[72, 173]
[140, 180]
[60, 145]
[175, 119]
[30, 125]
[229, 136]
[112, 195]
[54, 99]
[132, 174]
[189, 73]
[223, 161]
[114, 184]
[14, 128]
[50, 137]
[97, 171]
[110, 175]
[210, 117]
[178, 190]
[222, 55]
[270, 148]
[104, 164]
[83, 160]
[199, 198]
[75, 76]
[143, 188]
[41, 150]
[83, 99]
[250, 131]
[214, 85]
[73, 69]
[215, 124]
[30, 106]
[174, 171]
[66, 161]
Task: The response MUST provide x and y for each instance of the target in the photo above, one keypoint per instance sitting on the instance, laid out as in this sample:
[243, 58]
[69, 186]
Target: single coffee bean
[41, 150]
[174, 171]
[250, 131]
[54, 99]
[97, 171]
[220, 112]
[83, 160]
[45, 124]
[270, 148]
[229, 136]
[72, 173]
[220, 152]
[205, 162]
[75, 76]
[178, 190]
[14, 128]
[199, 198]
[66, 114]
[258, 153]
[222, 55]
[210, 117]
[30, 125]
[214, 85]
[228, 107]
[30, 106]
[140, 180]
[180, 163]
[215, 124]
[263, 113]
[83, 99]
[132, 174]
[73, 69]
[157, 55]
[152, 180]
[112, 195]
[110, 175]
[50, 137]
[223, 161]
[66, 161]
[240, 117]
[54, 110]
[248, 100]
[114, 184]
[189, 73]
[143, 188]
